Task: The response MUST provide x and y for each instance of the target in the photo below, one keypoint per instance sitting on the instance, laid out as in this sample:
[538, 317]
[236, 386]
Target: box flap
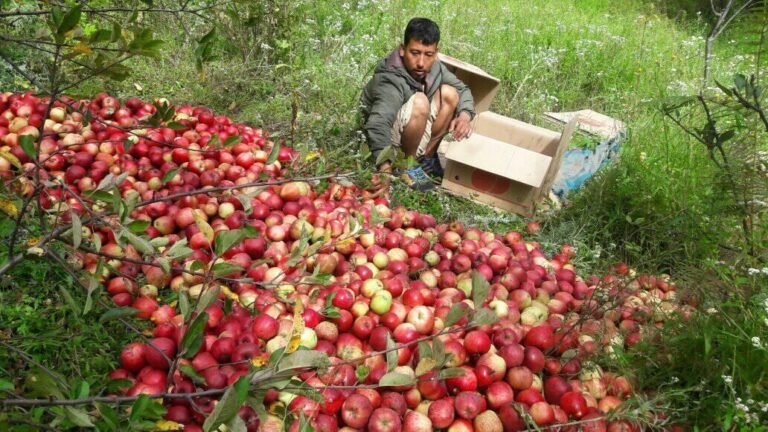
[516, 132]
[557, 159]
[483, 86]
[497, 157]
[591, 122]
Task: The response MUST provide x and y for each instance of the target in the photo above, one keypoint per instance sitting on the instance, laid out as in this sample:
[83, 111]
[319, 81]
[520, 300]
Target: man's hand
[381, 181]
[461, 126]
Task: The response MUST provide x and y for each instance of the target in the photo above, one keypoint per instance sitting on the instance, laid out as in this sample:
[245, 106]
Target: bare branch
[17, 13]
[243, 186]
[104, 399]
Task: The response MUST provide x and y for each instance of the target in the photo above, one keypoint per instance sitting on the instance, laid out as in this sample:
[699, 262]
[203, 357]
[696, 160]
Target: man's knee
[420, 107]
[449, 96]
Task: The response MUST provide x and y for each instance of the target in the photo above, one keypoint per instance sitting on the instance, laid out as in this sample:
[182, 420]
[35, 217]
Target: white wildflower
[711, 311]
[728, 380]
[756, 342]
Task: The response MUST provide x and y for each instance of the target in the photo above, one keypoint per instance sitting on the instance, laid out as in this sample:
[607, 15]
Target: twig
[243, 186]
[106, 10]
[16, 420]
[407, 344]
[105, 399]
[16, 259]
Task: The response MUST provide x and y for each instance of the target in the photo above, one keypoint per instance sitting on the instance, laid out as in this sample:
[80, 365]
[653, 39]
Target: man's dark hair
[423, 30]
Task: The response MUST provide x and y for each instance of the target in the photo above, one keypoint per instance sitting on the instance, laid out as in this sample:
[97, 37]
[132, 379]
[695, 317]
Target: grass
[41, 314]
[299, 71]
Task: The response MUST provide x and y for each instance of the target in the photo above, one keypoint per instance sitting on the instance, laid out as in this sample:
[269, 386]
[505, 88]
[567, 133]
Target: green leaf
[391, 353]
[455, 314]
[56, 16]
[480, 288]
[394, 379]
[438, 352]
[303, 359]
[361, 372]
[426, 364]
[165, 264]
[425, 351]
[245, 200]
[387, 154]
[119, 385]
[110, 182]
[117, 33]
[215, 141]
[100, 35]
[175, 126]
[145, 408]
[724, 89]
[39, 383]
[450, 373]
[70, 20]
[483, 317]
[241, 387]
[141, 244]
[138, 226]
[236, 424]
[224, 269]
[193, 338]
[725, 136]
[225, 240]
[273, 154]
[740, 81]
[170, 175]
[375, 219]
[91, 284]
[179, 250]
[235, 139]
[184, 305]
[117, 313]
[78, 416]
[73, 305]
[189, 371]
[6, 385]
[108, 416]
[209, 296]
[159, 242]
[77, 230]
[225, 409]
[208, 37]
[82, 390]
[27, 143]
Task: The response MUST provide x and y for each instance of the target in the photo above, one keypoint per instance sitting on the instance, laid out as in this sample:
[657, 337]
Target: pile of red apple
[396, 276]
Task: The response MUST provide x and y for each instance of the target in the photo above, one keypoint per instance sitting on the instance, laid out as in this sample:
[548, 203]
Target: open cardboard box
[506, 163]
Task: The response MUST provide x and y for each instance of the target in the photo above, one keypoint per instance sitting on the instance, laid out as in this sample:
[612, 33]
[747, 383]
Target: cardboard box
[580, 164]
[506, 163]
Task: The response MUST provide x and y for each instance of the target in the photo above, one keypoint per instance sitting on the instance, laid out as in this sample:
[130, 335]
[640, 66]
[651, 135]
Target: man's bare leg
[449, 100]
[414, 130]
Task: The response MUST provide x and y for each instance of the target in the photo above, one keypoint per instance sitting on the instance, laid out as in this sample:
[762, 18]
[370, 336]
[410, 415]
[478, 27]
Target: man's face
[418, 58]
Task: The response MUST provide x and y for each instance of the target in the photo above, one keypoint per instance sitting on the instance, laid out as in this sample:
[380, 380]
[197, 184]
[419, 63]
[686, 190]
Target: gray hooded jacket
[391, 87]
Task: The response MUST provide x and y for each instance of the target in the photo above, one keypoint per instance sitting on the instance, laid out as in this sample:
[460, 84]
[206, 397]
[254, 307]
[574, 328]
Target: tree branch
[243, 186]
[17, 13]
